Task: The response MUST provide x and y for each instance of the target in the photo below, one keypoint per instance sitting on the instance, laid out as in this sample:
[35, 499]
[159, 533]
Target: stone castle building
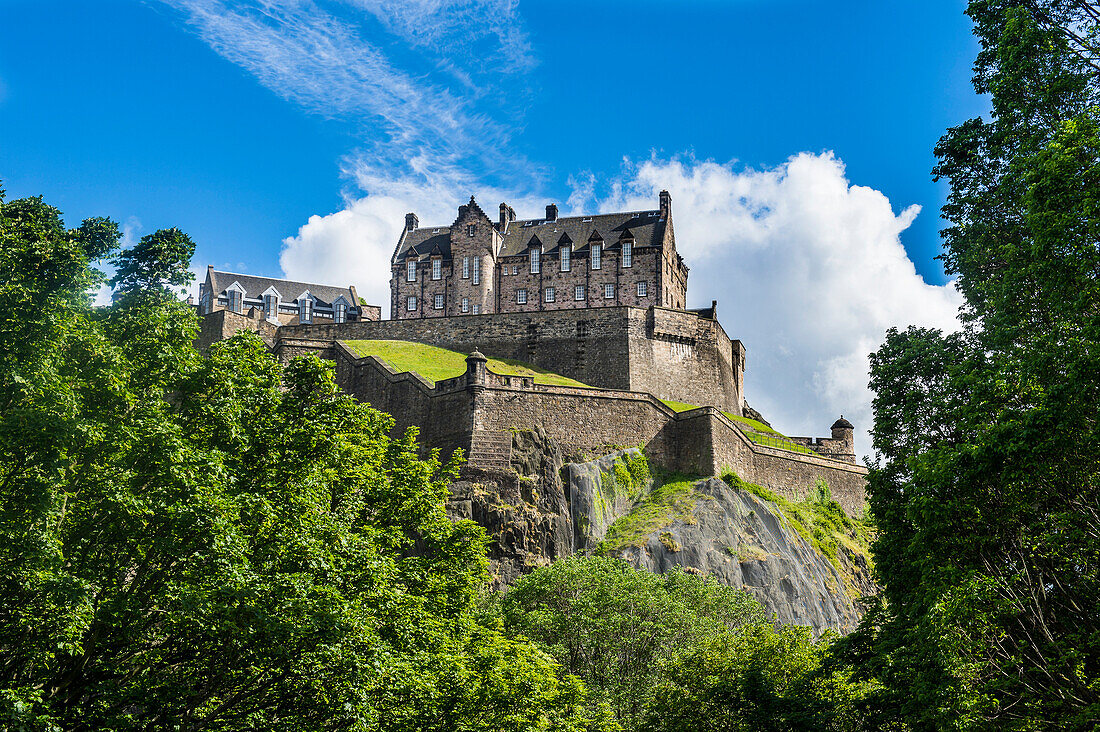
[600, 299]
[477, 266]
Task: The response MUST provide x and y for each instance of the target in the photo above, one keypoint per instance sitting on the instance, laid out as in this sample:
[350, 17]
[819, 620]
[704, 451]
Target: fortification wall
[222, 324]
[688, 359]
[590, 421]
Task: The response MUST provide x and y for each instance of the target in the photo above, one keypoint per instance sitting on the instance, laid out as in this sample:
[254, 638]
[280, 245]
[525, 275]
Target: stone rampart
[672, 354]
[587, 422]
[222, 324]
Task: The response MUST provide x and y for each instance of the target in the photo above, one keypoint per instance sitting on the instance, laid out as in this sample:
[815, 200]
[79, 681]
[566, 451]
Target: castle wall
[590, 421]
[689, 359]
[678, 352]
[222, 324]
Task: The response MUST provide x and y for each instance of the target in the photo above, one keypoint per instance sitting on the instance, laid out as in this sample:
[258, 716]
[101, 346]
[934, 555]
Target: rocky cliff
[806, 562]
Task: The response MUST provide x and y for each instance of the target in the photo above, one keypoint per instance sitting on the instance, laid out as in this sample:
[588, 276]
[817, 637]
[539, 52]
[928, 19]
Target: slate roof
[647, 227]
[288, 289]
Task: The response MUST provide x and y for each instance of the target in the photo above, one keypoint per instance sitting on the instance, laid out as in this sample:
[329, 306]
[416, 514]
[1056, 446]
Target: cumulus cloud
[809, 269]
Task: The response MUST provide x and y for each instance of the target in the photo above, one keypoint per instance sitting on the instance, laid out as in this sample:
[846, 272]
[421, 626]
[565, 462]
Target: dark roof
[842, 424]
[288, 289]
[647, 227]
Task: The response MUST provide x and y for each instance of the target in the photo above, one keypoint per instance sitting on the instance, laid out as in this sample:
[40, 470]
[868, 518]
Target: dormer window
[565, 259]
[596, 252]
[628, 253]
[271, 307]
[236, 300]
[340, 312]
[305, 310]
[534, 260]
[410, 271]
[437, 268]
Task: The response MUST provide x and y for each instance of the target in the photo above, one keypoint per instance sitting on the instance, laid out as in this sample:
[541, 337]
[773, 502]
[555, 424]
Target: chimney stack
[666, 205]
[503, 216]
[411, 222]
[552, 212]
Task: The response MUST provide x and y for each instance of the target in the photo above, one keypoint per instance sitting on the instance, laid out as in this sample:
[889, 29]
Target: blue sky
[796, 138]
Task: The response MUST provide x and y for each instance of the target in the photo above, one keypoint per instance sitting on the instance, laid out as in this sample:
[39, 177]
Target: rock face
[600, 492]
[744, 541]
[524, 510]
[541, 510]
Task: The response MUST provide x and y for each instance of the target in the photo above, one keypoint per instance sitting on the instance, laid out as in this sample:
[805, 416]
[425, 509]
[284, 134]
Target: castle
[599, 299]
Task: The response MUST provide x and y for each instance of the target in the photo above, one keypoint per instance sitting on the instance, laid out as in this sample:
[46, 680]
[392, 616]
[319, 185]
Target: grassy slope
[436, 364]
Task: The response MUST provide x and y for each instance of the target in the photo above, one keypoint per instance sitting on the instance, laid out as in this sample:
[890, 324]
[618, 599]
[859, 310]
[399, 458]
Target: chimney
[551, 212]
[666, 205]
[411, 222]
[503, 216]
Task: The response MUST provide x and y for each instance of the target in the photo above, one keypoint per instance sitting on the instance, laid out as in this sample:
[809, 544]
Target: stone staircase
[491, 450]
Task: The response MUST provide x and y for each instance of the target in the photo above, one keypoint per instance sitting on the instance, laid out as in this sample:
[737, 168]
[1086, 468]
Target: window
[477, 270]
[410, 273]
[515, 269]
[628, 253]
[565, 259]
[204, 304]
[477, 309]
[410, 303]
[236, 300]
[305, 310]
[578, 292]
[549, 297]
[465, 268]
[596, 256]
[608, 291]
[340, 312]
[521, 297]
[465, 304]
[437, 269]
[534, 255]
[471, 230]
[437, 302]
[643, 289]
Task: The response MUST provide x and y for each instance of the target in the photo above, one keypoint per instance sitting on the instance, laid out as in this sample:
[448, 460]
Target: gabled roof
[647, 227]
[255, 286]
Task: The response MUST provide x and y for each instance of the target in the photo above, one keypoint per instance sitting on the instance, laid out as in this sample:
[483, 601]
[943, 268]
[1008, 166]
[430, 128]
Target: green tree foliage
[215, 543]
[616, 627]
[760, 679]
[987, 496]
[156, 263]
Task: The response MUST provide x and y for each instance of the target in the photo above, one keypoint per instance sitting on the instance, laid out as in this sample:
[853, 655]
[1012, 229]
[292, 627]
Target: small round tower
[843, 432]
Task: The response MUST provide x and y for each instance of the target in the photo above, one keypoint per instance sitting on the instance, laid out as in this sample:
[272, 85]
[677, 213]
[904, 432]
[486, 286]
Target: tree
[217, 543]
[987, 495]
[156, 263]
[617, 627]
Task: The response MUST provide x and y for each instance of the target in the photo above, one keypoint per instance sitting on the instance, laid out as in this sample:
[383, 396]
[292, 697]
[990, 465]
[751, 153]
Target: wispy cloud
[403, 70]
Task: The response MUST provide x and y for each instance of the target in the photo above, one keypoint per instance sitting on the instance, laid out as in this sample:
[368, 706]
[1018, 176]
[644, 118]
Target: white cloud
[808, 269]
[809, 272]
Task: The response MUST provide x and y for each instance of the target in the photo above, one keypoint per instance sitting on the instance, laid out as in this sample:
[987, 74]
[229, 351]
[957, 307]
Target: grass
[673, 499]
[437, 364]
[758, 432]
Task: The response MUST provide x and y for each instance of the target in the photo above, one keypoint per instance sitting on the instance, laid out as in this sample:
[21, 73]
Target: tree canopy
[987, 496]
[218, 543]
